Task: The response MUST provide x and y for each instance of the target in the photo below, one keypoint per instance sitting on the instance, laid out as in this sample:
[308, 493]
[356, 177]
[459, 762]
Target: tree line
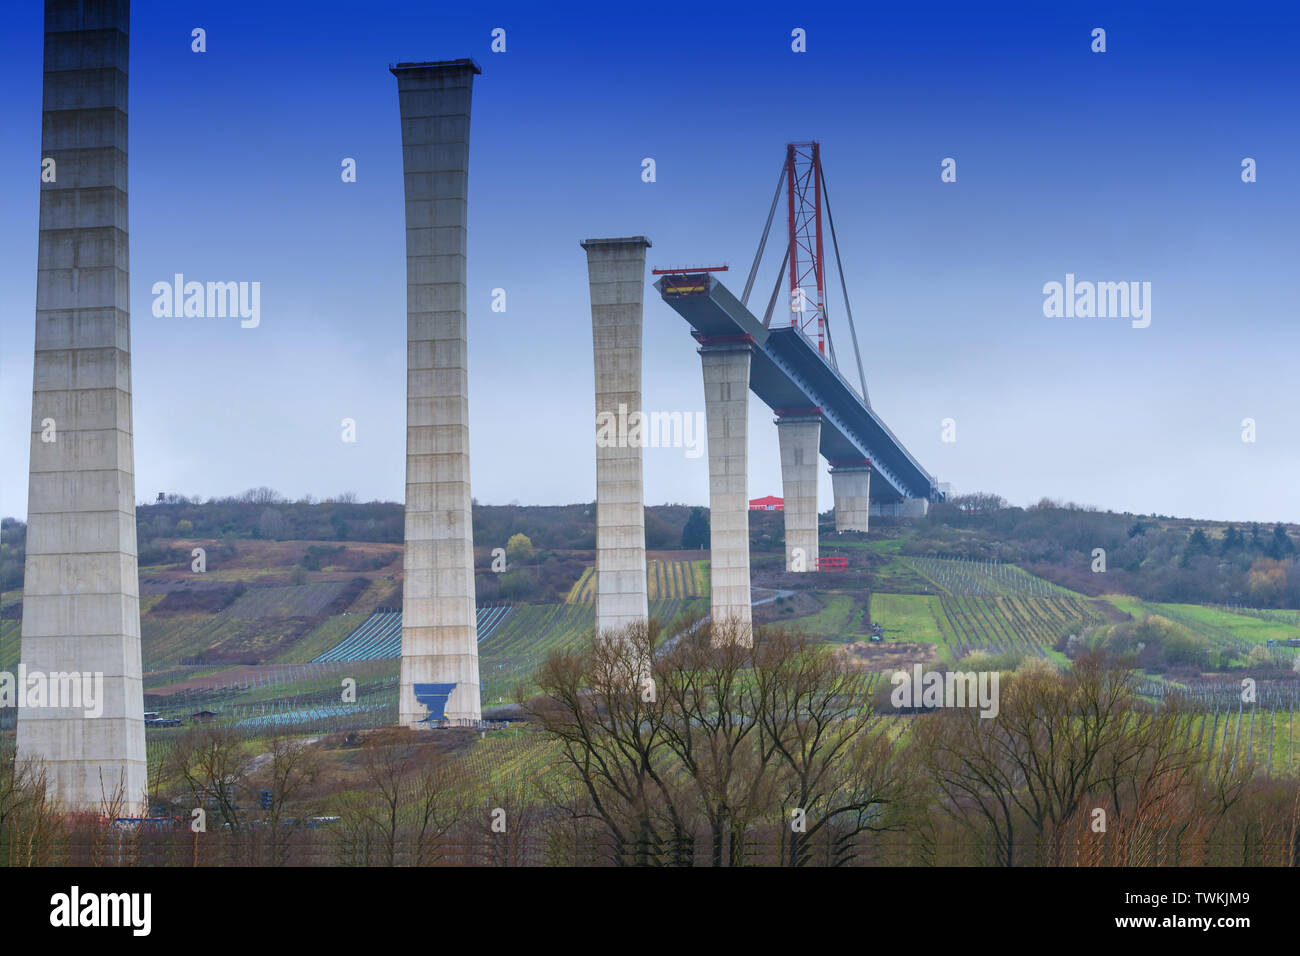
[694, 749]
[1154, 557]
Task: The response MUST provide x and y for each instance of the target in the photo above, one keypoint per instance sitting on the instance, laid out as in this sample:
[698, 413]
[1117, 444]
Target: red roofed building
[770, 503]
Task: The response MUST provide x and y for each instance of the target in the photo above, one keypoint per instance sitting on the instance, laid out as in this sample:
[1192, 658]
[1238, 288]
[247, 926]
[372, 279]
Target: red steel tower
[803, 177]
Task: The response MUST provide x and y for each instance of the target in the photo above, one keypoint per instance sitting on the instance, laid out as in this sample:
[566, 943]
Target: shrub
[519, 547]
[985, 661]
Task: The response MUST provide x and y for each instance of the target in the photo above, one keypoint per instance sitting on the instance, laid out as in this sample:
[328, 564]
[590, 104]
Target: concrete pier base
[914, 508]
[616, 276]
[439, 638]
[901, 508]
[799, 438]
[81, 609]
[726, 411]
[851, 485]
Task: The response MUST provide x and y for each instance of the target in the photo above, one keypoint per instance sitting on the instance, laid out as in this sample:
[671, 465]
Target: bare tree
[1057, 740]
[434, 809]
[411, 802]
[713, 731]
[610, 724]
[389, 760]
[211, 761]
[841, 776]
[293, 767]
[726, 735]
[111, 830]
[29, 816]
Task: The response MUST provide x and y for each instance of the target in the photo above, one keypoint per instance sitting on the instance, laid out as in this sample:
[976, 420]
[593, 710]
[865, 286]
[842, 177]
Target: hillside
[1191, 599]
[263, 638]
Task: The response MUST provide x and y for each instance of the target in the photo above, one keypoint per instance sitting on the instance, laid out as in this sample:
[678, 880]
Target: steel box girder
[787, 372]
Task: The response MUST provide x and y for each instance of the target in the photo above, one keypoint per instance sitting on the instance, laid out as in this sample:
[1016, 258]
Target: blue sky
[1121, 166]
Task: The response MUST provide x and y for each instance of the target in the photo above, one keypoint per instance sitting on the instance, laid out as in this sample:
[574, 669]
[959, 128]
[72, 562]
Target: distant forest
[263, 514]
[1155, 557]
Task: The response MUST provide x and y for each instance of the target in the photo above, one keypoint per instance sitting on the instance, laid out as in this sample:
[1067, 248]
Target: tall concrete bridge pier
[799, 435]
[851, 486]
[439, 674]
[725, 363]
[616, 276]
[81, 608]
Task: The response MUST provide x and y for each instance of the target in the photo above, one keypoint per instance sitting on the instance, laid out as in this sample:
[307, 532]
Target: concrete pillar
[726, 411]
[81, 609]
[914, 507]
[439, 638]
[799, 437]
[851, 485]
[616, 275]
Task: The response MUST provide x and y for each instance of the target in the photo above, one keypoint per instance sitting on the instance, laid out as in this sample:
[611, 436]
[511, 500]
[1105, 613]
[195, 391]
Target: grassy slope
[1253, 629]
[320, 638]
[1220, 627]
[10, 642]
[833, 622]
[911, 614]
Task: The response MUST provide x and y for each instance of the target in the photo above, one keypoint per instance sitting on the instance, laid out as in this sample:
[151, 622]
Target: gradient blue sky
[1115, 166]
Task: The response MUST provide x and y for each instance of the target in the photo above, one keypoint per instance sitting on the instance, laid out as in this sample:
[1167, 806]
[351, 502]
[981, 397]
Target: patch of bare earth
[888, 655]
[797, 605]
[1109, 611]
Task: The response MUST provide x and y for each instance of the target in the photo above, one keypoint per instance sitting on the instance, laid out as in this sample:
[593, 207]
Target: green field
[990, 606]
[840, 620]
[913, 616]
[1222, 628]
[1031, 625]
[1252, 629]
